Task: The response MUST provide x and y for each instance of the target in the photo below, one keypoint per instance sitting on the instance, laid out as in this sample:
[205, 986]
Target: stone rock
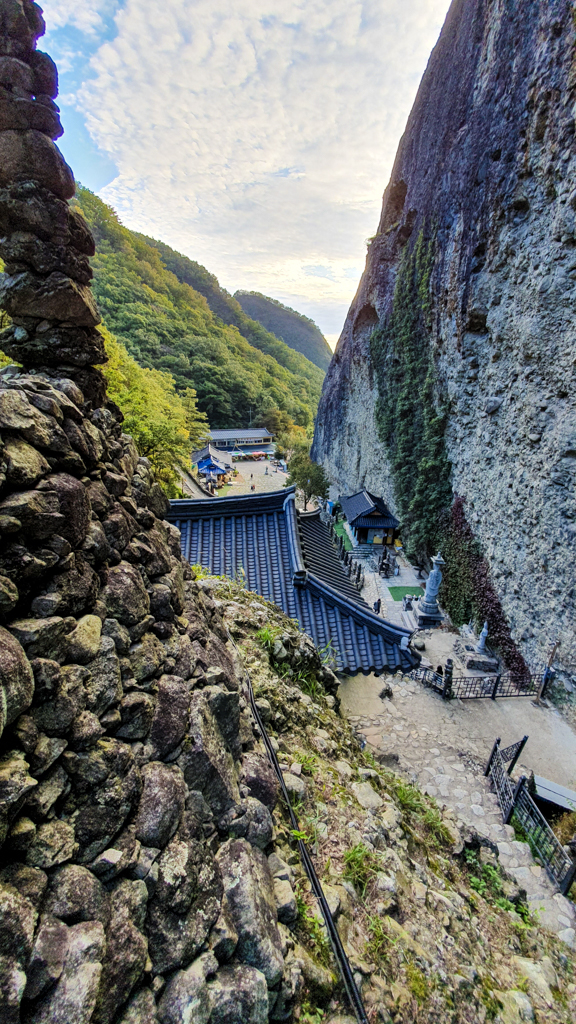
[251, 821]
[38, 512]
[296, 786]
[53, 844]
[74, 505]
[126, 950]
[48, 955]
[161, 804]
[8, 595]
[17, 923]
[12, 985]
[516, 1007]
[107, 787]
[85, 731]
[146, 658]
[56, 297]
[319, 980]
[20, 151]
[390, 817]
[540, 977]
[285, 901]
[84, 640]
[55, 716]
[141, 1009]
[15, 784]
[43, 638]
[185, 999]
[74, 895]
[74, 996]
[260, 778]
[250, 892]
[225, 707]
[366, 796]
[118, 633]
[16, 679]
[124, 595]
[171, 715]
[41, 800]
[223, 935]
[25, 465]
[96, 547]
[137, 710]
[207, 765]
[186, 904]
[238, 995]
[46, 752]
[104, 684]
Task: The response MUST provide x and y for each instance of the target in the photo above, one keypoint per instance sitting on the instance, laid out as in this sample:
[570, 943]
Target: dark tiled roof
[289, 559]
[359, 506]
[241, 435]
[210, 452]
[377, 522]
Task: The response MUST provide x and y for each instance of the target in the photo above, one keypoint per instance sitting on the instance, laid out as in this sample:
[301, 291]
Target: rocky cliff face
[486, 168]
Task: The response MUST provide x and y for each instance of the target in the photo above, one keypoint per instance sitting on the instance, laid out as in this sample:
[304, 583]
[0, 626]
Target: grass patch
[397, 593]
[311, 932]
[379, 943]
[341, 532]
[417, 983]
[360, 867]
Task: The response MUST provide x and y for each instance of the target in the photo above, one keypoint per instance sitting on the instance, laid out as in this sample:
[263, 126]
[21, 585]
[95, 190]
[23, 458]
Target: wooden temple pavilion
[369, 518]
[289, 558]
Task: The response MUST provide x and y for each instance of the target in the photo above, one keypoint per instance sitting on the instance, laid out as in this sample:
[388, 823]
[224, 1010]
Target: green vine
[411, 413]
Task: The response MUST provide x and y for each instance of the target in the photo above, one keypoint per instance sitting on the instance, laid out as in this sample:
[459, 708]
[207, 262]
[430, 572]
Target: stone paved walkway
[455, 778]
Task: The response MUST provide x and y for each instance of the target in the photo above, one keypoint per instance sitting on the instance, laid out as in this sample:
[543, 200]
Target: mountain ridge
[294, 328]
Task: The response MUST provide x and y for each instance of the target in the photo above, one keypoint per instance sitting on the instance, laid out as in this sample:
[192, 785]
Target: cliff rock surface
[485, 174]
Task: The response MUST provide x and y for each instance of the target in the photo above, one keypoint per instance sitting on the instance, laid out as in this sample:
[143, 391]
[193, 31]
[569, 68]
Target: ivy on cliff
[467, 588]
[410, 412]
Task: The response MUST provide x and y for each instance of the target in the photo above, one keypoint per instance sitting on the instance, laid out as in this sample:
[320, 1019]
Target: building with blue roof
[369, 519]
[288, 557]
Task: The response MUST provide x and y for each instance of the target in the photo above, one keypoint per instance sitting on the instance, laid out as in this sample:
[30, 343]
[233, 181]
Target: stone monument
[427, 610]
[481, 645]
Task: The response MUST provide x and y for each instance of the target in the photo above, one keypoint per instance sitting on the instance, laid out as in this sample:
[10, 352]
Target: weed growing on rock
[417, 983]
[360, 867]
[310, 930]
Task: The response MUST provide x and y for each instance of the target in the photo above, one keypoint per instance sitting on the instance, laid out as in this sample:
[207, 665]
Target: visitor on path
[377, 606]
[253, 488]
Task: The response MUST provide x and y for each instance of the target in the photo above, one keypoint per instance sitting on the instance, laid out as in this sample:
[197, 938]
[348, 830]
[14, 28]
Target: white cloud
[88, 16]
[258, 136]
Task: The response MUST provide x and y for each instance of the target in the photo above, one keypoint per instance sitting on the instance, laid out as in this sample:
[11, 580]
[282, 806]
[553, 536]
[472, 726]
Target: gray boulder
[207, 764]
[248, 886]
[185, 906]
[161, 803]
[48, 955]
[74, 996]
[252, 821]
[16, 679]
[171, 715]
[238, 995]
[125, 595]
[185, 999]
[260, 778]
[53, 844]
[126, 949]
[141, 1009]
[104, 685]
[75, 895]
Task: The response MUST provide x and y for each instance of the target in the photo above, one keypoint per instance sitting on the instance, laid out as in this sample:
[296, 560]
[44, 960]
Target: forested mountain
[297, 330]
[166, 324]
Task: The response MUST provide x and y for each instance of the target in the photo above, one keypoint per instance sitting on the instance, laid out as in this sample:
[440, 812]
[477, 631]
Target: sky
[254, 136]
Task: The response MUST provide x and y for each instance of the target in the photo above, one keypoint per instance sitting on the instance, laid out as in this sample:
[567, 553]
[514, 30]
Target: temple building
[289, 558]
[244, 442]
[369, 520]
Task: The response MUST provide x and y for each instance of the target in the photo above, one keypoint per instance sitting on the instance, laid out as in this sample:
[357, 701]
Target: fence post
[517, 791]
[448, 673]
[491, 758]
[512, 764]
[495, 688]
[568, 879]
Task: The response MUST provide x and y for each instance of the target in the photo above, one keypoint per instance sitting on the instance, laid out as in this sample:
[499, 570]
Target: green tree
[307, 476]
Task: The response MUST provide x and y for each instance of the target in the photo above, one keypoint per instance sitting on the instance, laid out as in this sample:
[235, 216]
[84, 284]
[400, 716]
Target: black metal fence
[518, 807]
[510, 684]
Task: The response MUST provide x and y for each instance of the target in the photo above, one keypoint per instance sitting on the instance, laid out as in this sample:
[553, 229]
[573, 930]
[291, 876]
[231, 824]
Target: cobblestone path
[455, 778]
